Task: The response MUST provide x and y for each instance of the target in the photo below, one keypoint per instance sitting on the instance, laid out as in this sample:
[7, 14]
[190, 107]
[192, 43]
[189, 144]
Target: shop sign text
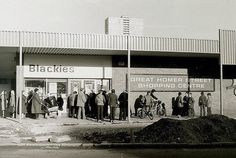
[169, 83]
[54, 68]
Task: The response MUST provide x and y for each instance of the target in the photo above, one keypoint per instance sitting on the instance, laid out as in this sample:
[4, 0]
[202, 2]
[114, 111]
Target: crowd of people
[97, 106]
[184, 106]
[101, 105]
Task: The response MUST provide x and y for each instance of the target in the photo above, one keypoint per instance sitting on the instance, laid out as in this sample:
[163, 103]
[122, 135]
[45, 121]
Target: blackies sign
[167, 83]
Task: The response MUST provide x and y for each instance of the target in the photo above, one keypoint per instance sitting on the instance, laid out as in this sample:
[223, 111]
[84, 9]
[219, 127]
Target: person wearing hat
[202, 102]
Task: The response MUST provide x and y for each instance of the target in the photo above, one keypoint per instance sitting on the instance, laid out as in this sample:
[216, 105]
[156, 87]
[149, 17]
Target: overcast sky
[165, 18]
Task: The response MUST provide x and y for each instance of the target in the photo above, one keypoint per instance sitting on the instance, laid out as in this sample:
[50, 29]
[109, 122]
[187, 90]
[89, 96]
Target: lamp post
[128, 77]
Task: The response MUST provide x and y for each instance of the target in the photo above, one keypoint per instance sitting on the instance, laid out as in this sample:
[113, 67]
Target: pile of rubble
[214, 128]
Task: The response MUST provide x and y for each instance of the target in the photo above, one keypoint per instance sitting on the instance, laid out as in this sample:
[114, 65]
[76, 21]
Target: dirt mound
[214, 128]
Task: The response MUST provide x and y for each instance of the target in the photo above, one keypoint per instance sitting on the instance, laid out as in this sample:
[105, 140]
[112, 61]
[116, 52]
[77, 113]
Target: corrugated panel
[139, 43]
[9, 38]
[228, 47]
[107, 42]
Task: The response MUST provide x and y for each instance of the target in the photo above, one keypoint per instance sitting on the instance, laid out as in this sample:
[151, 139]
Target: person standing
[24, 104]
[191, 102]
[105, 107]
[100, 100]
[209, 104]
[81, 99]
[174, 107]
[92, 97]
[60, 102]
[123, 99]
[202, 101]
[3, 103]
[12, 104]
[72, 104]
[179, 103]
[29, 104]
[36, 104]
[148, 101]
[185, 104]
[112, 102]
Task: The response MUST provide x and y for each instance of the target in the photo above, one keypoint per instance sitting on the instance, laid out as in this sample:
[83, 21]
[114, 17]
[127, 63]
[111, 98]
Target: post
[128, 77]
[20, 78]
[221, 74]
[221, 88]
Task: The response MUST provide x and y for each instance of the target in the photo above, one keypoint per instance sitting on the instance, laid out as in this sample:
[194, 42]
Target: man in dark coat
[105, 108]
[202, 102]
[123, 99]
[191, 101]
[60, 102]
[139, 103]
[29, 104]
[36, 104]
[185, 104]
[112, 101]
[92, 103]
[152, 94]
[72, 104]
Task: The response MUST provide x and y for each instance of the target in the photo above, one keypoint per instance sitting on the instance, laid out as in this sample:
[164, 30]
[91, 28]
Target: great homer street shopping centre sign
[169, 83]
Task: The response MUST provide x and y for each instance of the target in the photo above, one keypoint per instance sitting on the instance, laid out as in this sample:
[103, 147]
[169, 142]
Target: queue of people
[101, 105]
[97, 106]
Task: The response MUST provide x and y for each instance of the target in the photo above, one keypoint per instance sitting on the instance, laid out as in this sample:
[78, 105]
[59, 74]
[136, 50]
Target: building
[124, 26]
[64, 62]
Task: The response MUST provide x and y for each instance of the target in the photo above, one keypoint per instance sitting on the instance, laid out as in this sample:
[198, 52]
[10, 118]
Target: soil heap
[208, 129]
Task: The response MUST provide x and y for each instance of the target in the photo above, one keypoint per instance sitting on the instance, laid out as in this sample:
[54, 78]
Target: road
[115, 153]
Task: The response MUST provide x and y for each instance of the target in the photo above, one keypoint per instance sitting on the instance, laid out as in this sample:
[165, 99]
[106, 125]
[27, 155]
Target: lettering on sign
[169, 83]
[54, 68]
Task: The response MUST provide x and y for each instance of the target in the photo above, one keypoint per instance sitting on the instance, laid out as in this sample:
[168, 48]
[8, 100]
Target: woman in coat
[36, 104]
[12, 104]
[23, 105]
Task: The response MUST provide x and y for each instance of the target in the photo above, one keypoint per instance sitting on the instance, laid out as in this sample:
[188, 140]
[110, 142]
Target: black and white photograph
[117, 78]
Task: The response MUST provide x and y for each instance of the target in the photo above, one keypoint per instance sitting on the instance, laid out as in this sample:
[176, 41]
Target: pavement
[63, 132]
[30, 132]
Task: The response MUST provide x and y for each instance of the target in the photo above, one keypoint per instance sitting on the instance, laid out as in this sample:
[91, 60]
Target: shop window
[106, 84]
[61, 87]
[36, 83]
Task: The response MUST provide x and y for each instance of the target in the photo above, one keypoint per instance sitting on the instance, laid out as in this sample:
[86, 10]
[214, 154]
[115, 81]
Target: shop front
[64, 80]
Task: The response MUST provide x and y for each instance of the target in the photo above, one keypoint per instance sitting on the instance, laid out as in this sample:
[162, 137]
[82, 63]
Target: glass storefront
[65, 86]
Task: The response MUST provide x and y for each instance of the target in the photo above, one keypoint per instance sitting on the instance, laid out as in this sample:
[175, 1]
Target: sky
[163, 18]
